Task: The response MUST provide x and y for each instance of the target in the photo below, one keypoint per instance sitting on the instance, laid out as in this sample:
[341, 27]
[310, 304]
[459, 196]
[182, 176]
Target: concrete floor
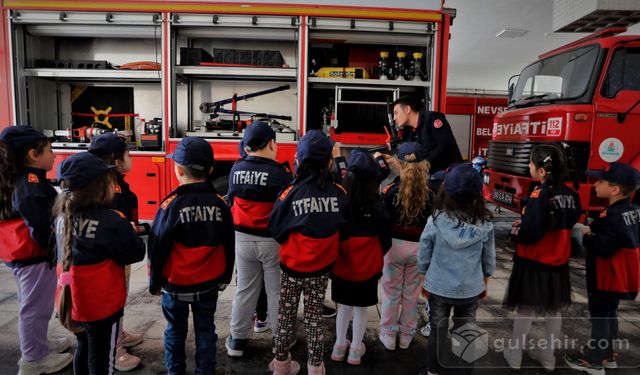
[143, 314]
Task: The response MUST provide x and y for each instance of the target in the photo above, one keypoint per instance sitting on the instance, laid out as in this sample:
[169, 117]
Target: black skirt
[355, 293]
[546, 289]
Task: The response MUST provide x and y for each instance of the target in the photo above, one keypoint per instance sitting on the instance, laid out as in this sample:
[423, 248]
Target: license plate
[503, 197]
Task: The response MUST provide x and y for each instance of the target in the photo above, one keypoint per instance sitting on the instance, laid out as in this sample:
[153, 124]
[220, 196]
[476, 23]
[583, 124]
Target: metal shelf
[369, 82]
[236, 72]
[95, 74]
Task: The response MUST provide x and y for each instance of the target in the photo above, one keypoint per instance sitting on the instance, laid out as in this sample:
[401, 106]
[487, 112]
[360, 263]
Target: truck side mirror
[511, 87]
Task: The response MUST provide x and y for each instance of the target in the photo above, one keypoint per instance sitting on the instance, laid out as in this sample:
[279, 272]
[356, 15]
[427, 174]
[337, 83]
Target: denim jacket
[456, 256]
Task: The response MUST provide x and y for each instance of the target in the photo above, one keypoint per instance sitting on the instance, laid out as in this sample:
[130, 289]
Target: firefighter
[191, 255]
[254, 184]
[613, 268]
[430, 129]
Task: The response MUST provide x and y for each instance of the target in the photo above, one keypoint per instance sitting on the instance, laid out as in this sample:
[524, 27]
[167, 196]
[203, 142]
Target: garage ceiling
[481, 62]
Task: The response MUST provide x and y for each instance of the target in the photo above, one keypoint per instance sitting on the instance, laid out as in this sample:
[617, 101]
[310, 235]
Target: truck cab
[584, 96]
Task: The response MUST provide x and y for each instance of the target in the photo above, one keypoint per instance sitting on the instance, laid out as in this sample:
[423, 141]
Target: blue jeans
[177, 314]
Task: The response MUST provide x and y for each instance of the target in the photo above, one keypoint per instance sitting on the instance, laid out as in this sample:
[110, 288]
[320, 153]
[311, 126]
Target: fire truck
[156, 71]
[584, 96]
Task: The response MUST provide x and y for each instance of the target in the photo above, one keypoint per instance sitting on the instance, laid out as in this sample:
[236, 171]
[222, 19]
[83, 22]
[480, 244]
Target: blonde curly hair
[413, 193]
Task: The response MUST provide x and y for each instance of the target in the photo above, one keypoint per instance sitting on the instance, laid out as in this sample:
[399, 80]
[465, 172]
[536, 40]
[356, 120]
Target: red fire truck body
[156, 33]
[583, 96]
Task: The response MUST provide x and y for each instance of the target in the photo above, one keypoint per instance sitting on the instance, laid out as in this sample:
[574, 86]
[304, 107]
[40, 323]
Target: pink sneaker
[355, 354]
[339, 351]
[129, 340]
[126, 361]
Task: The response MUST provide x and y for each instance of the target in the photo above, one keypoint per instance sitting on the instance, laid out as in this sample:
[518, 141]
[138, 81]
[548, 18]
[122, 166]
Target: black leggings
[261, 307]
[96, 351]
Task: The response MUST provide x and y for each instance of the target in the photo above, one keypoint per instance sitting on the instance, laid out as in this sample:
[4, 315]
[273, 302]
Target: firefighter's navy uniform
[613, 262]
[26, 245]
[540, 275]
[27, 235]
[103, 244]
[435, 136]
[308, 220]
[359, 265]
[191, 256]
[254, 184]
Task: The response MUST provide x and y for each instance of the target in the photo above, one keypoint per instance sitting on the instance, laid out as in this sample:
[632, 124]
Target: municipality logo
[469, 342]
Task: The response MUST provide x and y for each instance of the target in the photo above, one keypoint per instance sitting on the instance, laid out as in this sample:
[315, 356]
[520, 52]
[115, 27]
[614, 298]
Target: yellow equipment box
[344, 72]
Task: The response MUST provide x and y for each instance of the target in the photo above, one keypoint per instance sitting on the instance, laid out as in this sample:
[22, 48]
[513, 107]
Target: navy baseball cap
[618, 173]
[257, 133]
[314, 147]
[108, 143]
[362, 165]
[462, 181]
[193, 152]
[407, 148]
[81, 169]
[22, 137]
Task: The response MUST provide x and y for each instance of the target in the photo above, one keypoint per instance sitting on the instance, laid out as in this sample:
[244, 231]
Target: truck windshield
[563, 76]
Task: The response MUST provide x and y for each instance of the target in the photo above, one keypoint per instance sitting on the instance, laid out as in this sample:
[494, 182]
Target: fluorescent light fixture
[511, 33]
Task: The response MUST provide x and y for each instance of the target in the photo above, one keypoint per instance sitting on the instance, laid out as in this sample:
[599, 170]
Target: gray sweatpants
[257, 258]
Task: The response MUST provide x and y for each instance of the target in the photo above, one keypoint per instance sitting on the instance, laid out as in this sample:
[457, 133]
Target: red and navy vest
[103, 243]
[254, 184]
[613, 251]
[192, 241]
[309, 221]
[544, 236]
[27, 236]
[361, 255]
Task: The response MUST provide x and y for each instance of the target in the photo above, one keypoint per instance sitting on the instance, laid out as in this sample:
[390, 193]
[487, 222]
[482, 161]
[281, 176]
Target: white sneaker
[59, 344]
[426, 330]
[53, 362]
[513, 358]
[389, 341]
[405, 341]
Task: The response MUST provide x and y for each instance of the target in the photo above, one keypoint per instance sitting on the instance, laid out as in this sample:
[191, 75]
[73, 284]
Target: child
[458, 254]
[359, 265]
[613, 267]
[26, 199]
[308, 220]
[95, 244]
[254, 184]
[539, 283]
[191, 255]
[408, 200]
[113, 150]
